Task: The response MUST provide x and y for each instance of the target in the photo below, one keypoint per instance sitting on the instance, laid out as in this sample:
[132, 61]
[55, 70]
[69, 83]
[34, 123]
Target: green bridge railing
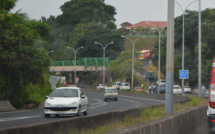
[83, 62]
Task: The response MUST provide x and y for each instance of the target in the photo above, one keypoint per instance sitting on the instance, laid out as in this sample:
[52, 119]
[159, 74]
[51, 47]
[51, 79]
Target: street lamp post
[50, 52]
[104, 47]
[183, 11]
[132, 72]
[159, 31]
[199, 54]
[75, 51]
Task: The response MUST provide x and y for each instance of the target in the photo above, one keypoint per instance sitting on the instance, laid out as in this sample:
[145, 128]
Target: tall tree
[87, 34]
[22, 61]
[191, 46]
[83, 11]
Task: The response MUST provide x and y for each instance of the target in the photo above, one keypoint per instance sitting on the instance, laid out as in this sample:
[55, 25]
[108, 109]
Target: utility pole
[199, 54]
[170, 58]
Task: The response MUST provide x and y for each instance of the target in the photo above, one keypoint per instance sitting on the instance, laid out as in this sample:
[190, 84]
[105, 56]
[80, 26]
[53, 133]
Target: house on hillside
[124, 26]
[146, 28]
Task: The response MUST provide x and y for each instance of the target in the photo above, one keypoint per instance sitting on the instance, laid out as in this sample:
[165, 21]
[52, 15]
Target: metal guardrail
[83, 62]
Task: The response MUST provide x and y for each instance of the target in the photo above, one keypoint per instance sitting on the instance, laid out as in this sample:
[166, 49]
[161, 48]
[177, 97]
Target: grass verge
[146, 115]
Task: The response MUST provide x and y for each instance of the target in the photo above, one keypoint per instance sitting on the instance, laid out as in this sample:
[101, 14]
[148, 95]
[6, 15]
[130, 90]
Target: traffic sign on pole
[184, 74]
[53, 81]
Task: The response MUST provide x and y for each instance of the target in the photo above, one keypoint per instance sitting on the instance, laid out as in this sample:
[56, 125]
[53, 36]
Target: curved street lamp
[132, 72]
[183, 11]
[159, 31]
[75, 51]
[50, 52]
[104, 47]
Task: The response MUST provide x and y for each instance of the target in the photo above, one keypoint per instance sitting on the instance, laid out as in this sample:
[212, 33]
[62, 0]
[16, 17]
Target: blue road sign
[184, 74]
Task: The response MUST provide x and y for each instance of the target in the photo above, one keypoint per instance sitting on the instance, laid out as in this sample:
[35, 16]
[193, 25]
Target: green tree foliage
[7, 5]
[87, 34]
[122, 67]
[84, 11]
[81, 24]
[191, 46]
[22, 61]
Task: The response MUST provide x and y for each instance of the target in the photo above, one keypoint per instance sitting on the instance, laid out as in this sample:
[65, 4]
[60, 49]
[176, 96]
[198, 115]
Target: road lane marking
[132, 97]
[15, 111]
[100, 103]
[17, 118]
[143, 98]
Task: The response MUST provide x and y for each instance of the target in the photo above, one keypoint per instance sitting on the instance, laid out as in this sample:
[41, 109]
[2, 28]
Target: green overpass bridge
[83, 64]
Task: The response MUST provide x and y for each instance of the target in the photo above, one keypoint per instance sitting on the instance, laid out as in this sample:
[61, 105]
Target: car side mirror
[82, 96]
[47, 97]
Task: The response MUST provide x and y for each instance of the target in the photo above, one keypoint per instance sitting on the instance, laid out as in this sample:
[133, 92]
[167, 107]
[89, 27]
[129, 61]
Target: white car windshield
[126, 84]
[64, 93]
[110, 90]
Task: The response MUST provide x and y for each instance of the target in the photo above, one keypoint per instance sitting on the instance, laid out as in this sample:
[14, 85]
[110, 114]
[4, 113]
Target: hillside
[143, 43]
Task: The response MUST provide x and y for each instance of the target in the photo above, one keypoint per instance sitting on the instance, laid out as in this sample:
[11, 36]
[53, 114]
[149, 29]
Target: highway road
[97, 106]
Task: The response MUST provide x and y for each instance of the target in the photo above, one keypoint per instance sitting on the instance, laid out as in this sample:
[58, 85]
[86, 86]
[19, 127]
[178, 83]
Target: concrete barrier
[179, 123]
[71, 125]
[5, 105]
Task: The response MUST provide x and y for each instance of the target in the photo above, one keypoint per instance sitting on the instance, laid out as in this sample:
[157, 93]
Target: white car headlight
[72, 104]
[48, 104]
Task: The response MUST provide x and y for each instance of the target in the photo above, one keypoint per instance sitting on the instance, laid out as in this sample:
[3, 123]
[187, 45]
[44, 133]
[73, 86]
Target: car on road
[67, 83]
[177, 89]
[211, 100]
[161, 82]
[187, 89]
[65, 101]
[125, 86]
[100, 86]
[162, 89]
[138, 89]
[111, 93]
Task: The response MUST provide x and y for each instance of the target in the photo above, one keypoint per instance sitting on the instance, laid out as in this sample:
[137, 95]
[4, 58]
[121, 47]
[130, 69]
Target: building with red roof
[124, 26]
[151, 24]
[142, 28]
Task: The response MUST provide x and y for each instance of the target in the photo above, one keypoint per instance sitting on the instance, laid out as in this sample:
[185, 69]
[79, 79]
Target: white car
[66, 100]
[187, 89]
[101, 86]
[125, 86]
[161, 82]
[177, 89]
[211, 101]
[110, 93]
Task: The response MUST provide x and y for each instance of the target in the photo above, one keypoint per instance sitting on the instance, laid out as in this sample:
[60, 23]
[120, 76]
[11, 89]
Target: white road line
[15, 111]
[17, 118]
[131, 97]
[142, 98]
[99, 104]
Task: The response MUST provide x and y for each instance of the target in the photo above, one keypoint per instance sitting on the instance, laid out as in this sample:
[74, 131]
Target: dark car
[162, 89]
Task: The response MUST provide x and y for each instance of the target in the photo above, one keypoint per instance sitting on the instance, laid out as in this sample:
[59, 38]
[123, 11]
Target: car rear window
[64, 93]
[110, 90]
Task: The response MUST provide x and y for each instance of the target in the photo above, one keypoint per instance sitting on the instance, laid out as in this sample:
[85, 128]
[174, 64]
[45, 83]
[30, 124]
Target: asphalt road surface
[97, 106]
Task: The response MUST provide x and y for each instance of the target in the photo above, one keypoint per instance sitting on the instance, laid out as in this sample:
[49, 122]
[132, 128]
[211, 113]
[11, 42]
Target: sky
[132, 11]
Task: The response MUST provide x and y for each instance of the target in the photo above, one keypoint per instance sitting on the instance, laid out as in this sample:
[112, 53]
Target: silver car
[110, 93]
